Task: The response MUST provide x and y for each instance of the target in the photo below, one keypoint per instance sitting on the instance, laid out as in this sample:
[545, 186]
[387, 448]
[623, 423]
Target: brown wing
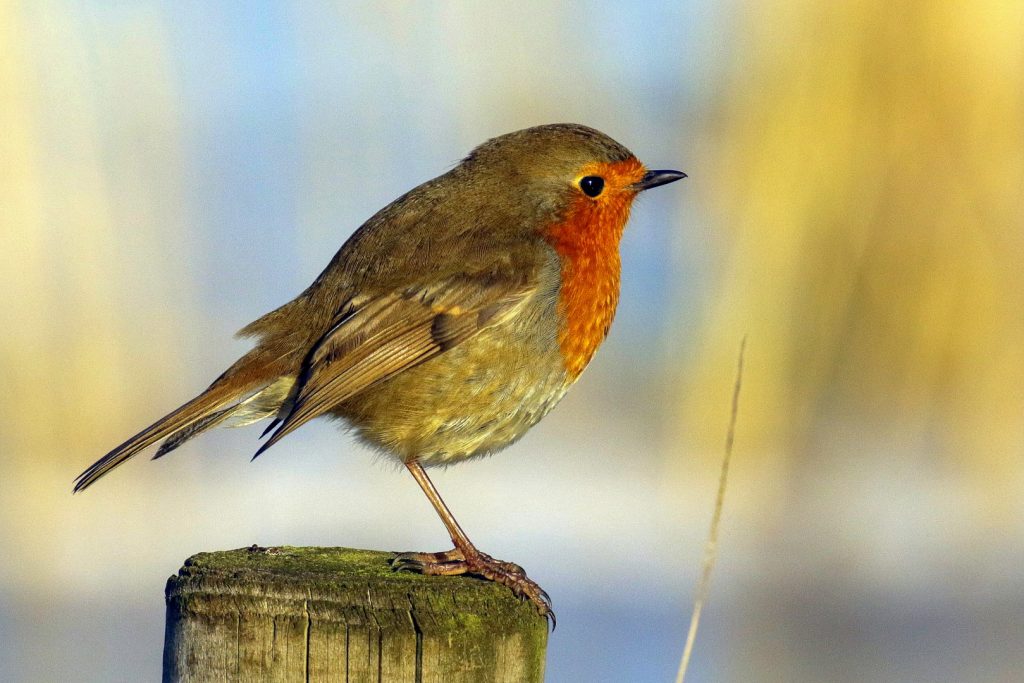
[376, 338]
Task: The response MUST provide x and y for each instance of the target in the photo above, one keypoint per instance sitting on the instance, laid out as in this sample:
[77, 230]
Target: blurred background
[170, 171]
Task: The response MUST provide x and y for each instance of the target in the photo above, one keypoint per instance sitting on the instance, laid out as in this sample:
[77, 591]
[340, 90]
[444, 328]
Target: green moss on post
[319, 614]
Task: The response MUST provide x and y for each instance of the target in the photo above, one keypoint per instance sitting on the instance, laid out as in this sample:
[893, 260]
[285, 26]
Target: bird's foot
[456, 561]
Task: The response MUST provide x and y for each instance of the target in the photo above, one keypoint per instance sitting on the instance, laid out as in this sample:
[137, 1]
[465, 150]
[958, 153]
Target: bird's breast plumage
[587, 239]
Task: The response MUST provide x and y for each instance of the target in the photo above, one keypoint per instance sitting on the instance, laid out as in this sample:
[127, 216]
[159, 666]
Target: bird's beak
[656, 178]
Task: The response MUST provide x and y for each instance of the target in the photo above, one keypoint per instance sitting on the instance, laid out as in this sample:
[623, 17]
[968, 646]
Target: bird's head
[563, 170]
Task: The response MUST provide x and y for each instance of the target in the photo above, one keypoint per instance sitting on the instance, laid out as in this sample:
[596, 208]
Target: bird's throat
[587, 241]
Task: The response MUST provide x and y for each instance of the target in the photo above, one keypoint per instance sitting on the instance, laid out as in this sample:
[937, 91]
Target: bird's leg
[465, 558]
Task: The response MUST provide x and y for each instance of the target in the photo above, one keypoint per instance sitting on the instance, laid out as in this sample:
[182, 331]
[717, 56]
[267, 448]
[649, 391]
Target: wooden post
[337, 614]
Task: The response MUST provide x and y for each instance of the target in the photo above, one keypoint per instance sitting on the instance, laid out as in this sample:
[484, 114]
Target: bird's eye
[592, 185]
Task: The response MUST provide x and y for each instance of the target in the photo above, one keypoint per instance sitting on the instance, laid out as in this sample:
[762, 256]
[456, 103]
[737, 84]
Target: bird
[446, 326]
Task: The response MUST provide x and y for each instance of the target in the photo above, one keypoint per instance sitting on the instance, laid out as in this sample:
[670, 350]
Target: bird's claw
[454, 562]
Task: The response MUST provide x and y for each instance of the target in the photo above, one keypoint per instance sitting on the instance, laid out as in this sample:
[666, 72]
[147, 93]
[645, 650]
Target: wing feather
[380, 337]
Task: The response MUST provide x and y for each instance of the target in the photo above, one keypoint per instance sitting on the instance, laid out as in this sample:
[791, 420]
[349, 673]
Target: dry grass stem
[711, 547]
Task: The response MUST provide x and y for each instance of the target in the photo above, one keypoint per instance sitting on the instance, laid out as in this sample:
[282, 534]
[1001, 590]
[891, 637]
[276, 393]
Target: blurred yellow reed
[866, 162]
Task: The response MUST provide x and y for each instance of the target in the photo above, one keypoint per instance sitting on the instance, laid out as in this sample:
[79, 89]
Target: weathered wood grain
[337, 614]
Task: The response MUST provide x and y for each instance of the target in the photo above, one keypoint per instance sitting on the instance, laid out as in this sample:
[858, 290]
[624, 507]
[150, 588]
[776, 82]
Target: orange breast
[587, 240]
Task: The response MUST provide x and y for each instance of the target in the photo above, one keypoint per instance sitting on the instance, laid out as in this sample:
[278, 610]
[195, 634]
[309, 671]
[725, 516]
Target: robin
[450, 323]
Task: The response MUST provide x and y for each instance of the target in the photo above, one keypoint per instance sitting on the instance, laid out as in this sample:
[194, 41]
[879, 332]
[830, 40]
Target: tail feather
[195, 410]
[264, 403]
[195, 429]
